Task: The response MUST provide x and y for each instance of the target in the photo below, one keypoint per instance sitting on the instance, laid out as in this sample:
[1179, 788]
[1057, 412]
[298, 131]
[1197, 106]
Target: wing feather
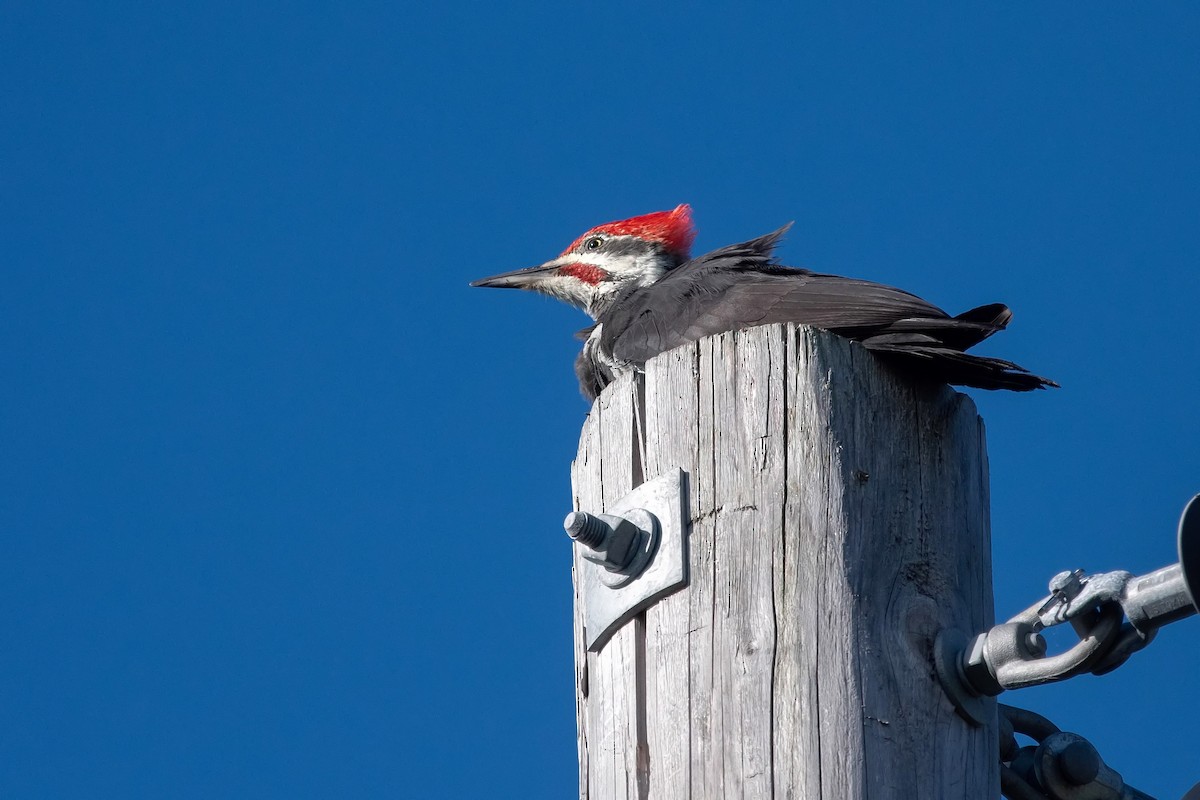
[741, 286]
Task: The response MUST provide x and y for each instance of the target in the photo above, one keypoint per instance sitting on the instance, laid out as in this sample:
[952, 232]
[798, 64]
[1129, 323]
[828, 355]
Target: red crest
[673, 229]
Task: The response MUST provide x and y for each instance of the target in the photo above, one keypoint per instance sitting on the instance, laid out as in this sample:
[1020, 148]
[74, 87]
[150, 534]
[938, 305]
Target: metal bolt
[624, 545]
[1079, 762]
[973, 665]
[587, 529]
[1035, 643]
[1067, 584]
[614, 541]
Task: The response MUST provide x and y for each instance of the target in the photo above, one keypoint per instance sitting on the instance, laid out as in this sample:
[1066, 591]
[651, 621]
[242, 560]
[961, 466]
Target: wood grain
[838, 519]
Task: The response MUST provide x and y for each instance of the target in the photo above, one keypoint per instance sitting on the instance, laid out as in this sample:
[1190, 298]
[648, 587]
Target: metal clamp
[1062, 766]
[1012, 655]
[633, 555]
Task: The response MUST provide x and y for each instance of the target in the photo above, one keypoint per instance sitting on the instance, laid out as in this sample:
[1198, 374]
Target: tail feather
[996, 315]
[938, 362]
[933, 348]
[959, 333]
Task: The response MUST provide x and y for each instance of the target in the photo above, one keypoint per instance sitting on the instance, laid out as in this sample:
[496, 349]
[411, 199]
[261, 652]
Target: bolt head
[1067, 583]
[1079, 763]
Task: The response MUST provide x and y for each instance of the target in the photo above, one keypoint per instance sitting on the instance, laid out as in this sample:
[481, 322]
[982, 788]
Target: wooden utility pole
[838, 519]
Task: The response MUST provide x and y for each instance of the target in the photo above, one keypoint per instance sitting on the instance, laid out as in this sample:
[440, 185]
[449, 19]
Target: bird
[646, 295]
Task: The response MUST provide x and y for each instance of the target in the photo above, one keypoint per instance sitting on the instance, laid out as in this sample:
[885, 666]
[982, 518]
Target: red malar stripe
[585, 272]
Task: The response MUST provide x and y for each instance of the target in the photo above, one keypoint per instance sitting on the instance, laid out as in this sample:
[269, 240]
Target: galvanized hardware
[1063, 589]
[1012, 655]
[624, 546]
[1062, 766]
[632, 555]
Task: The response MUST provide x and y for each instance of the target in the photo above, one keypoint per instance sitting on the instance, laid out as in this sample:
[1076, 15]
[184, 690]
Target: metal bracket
[634, 554]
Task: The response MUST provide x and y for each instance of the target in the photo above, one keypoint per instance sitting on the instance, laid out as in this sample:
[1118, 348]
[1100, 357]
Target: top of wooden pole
[838, 519]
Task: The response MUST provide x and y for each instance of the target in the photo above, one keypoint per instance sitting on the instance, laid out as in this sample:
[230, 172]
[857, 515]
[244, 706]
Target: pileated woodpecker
[635, 278]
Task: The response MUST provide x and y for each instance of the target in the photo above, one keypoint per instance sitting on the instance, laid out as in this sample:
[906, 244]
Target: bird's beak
[520, 278]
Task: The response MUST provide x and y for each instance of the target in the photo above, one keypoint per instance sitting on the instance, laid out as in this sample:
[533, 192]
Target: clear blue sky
[281, 496]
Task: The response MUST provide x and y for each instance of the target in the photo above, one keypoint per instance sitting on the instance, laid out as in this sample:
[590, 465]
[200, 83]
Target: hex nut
[621, 545]
[975, 668]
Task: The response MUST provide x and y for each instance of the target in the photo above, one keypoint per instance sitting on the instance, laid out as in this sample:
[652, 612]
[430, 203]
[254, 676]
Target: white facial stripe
[595, 259]
[615, 264]
[625, 267]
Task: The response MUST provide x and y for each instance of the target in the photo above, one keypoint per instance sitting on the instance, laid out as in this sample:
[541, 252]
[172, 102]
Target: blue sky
[281, 495]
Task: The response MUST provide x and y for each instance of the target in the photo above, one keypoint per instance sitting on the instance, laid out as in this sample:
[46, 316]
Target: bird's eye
[593, 243]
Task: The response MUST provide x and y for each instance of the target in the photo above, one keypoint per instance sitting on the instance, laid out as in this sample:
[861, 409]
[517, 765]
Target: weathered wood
[838, 519]
[608, 693]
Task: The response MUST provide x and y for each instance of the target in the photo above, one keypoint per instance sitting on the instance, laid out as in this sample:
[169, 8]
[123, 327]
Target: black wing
[741, 286]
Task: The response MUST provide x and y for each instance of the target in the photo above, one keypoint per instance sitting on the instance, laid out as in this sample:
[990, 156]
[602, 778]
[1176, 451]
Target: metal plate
[606, 609]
